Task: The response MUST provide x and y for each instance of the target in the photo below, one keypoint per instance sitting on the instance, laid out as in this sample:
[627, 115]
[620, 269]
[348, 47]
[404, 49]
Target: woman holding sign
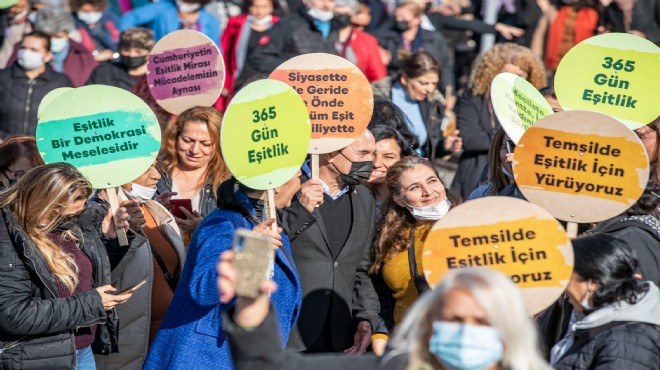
[191, 333]
[55, 273]
[474, 112]
[418, 199]
[192, 167]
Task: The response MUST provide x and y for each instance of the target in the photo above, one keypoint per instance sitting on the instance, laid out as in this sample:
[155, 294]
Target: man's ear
[48, 57]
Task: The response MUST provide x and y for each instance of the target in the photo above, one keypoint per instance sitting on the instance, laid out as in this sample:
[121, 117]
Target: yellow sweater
[397, 276]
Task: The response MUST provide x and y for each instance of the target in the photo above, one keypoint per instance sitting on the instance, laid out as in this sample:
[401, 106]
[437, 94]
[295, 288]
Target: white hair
[503, 303]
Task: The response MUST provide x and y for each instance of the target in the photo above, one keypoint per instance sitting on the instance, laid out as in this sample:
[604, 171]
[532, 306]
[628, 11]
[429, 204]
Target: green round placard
[109, 134]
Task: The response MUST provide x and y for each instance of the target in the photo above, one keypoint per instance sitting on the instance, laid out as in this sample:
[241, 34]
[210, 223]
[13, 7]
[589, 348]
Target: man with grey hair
[69, 57]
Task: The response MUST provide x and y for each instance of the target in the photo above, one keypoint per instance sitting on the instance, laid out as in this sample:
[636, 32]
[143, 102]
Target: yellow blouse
[397, 276]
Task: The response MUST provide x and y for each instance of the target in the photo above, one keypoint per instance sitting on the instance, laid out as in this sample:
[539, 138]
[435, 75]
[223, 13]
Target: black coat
[430, 41]
[20, 97]
[290, 37]
[261, 348]
[619, 346]
[474, 123]
[112, 74]
[642, 235]
[36, 326]
[335, 288]
[645, 18]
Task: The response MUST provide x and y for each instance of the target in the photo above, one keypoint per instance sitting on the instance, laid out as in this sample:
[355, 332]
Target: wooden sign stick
[571, 230]
[114, 206]
[271, 211]
[315, 168]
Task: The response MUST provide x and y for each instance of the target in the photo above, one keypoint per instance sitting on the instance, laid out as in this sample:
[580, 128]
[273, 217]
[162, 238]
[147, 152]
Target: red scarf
[586, 21]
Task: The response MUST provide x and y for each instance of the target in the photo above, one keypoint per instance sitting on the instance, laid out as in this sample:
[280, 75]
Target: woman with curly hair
[418, 198]
[476, 119]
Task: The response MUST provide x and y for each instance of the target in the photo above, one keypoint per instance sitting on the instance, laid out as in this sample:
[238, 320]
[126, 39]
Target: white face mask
[89, 17]
[506, 172]
[320, 14]
[29, 59]
[260, 22]
[585, 301]
[20, 15]
[429, 213]
[187, 7]
[58, 44]
[142, 192]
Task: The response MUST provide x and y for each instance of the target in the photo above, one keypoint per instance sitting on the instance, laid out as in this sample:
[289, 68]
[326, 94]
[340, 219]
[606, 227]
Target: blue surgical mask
[465, 346]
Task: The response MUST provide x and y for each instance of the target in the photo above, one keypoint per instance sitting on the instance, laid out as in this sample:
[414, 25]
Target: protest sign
[50, 97]
[517, 104]
[615, 74]
[109, 134]
[337, 95]
[581, 166]
[185, 70]
[265, 134]
[4, 4]
[514, 237]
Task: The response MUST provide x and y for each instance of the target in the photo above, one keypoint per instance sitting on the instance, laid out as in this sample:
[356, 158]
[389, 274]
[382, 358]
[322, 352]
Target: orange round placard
[337, 95]
[581, 166]
[512, 236]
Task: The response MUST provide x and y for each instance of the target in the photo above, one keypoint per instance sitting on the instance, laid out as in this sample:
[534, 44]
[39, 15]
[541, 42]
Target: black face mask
[132, 62]
[402, 26]
[359, 172]
[342, 20]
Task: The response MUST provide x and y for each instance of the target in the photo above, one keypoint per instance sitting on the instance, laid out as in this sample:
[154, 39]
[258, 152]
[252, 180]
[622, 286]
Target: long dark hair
[608, 261]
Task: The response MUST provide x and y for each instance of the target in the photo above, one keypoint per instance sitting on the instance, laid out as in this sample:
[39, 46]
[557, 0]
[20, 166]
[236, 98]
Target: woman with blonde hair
[192, 166]
[476, 119]
[55, 275]
[474, 319]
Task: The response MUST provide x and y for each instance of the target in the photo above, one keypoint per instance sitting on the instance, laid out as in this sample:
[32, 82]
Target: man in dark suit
[340, 306]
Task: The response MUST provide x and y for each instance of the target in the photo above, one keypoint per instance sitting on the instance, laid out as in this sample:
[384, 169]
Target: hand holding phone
[133, 288]
[253, 261]
[176, 203]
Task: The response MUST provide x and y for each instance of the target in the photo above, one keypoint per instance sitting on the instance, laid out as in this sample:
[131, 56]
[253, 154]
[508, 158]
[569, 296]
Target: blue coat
[163, 18]
[191, 334]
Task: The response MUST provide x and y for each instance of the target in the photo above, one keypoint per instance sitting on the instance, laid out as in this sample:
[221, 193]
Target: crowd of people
[347, 286]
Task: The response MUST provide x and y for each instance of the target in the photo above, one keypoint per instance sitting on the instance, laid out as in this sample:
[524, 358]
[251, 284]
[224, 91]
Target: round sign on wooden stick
[4, 4]
[185, 70]
[581, 166]
[109, 134]
[509, 235]
[615, 74]
[337, 94]
[50, 97]
[265, 134]
[517, 104]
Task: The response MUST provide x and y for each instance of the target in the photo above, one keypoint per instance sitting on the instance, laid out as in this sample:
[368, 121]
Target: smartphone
[133, 288]
[176, 203]
[253, 262]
